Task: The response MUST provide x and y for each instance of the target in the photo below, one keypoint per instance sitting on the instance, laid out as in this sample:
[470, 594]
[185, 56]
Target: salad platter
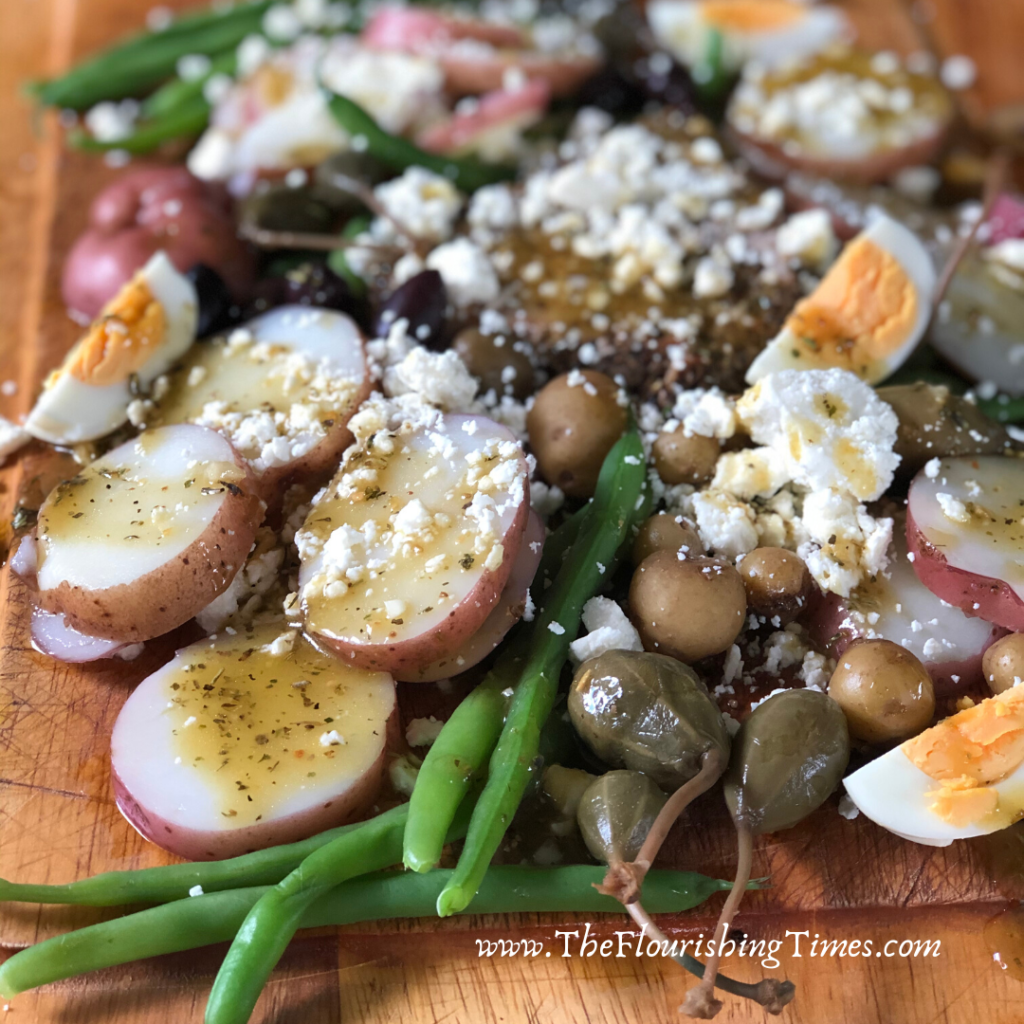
[771, 265]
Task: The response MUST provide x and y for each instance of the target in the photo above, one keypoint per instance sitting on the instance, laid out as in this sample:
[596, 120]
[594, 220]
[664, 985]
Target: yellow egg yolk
[967, 752]
[750, 15]
[863, 310]
[122, 339]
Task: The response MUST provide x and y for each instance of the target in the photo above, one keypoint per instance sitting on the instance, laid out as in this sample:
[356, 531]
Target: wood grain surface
[830, 877]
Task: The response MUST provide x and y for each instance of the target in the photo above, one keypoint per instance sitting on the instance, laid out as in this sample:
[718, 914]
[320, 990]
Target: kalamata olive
[690, 608]
[278, 207]
[492, 358]
[685, 460]
[575, 420]
[615, 814]
[611, 91]
[1003, 663]
[648, 713]
[787, 758]
[935, 423]
[315, 284]
[217, 310]
[884, 691]
[665, 532]
[423, 302]
[776, 582]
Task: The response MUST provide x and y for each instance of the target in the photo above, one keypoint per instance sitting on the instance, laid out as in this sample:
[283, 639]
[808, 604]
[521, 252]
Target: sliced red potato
[408, 550]
[966, 533]
[139, 334]
[494, 121]
[897, 606]
[147, 535]
[979, 327]
[249, 740]
[52, 636]
[416, 30]
[282, 389]
[471, 71]
[504, 615]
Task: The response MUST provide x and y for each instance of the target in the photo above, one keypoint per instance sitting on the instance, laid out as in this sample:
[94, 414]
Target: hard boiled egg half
[963, 777]
[867, 314]
[768, 31]
[139, 334]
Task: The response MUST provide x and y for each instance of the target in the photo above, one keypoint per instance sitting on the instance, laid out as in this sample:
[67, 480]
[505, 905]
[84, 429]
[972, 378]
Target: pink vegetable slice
[470, 70]
[965, 528]
[248, 740]
[505, 614]
[897, 606]
[409, 548]
[415, 30]
[495, 114]
[1006, 219]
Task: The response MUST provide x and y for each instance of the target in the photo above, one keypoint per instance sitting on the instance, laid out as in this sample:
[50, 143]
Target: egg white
[907, 249]
[682, 27]
[892, 792]
[70, 410]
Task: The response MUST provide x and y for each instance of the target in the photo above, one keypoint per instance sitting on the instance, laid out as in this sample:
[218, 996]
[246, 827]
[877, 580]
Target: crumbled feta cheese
[725, 524]
[808, 236]
[608, 629]
[707, 412]
[441, 378]
[421, 732]
[712, 278]
[332, 739]
[953, 508]
[196, 890]
[425, 203]
[467, 271]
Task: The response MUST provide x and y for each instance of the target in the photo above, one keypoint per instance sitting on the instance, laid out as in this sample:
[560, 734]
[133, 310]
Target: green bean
[467, 739]
[204, 920]
[397, 153]
[618, 498]
[1002, 408]
[173, 881]
[270, 925]
[173, 94]
[144, 61]
[190, 118]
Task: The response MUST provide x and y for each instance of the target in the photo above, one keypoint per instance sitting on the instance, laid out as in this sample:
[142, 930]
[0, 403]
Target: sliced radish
[249, 740]
[965, 528]
[979, 327]
[487, 126]
[407, 551]
[473, 70]
[282, 389]
[1006, 219]
[415, 30]
[897, 606]
[504, 615]
[147, 535]
[51, 635]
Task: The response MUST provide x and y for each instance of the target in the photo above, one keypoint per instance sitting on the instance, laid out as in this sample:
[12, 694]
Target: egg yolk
[122, 339]
[967, 752]
[750, 15]
[863, 310]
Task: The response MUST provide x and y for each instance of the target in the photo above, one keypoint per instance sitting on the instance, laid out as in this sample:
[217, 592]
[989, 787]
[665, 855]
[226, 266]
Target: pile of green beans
[467, 173]
[204, 920]
[141, 63]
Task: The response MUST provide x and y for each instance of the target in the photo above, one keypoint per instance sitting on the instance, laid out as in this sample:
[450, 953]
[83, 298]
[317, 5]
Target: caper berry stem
[624, 880]
[266, 238]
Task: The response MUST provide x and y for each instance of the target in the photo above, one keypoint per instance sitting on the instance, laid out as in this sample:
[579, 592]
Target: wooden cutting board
[830, 877]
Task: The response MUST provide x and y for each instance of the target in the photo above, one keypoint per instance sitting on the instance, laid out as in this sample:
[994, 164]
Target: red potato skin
[407, 658]
[467, 74]
[774, 163]
[168, 596]
[146, 210]
[995, 600]
[828, 629]
[193, 844]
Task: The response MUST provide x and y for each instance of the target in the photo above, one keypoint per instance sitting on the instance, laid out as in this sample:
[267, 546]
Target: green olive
[776, 582]
[884, 691]
[935, 423]
[1003, 663]
[688, 608]
[574, 421]
[648, 713]
[500, 367]
[787, 758]
[616, 813]
[682, 459]
[665, 532]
